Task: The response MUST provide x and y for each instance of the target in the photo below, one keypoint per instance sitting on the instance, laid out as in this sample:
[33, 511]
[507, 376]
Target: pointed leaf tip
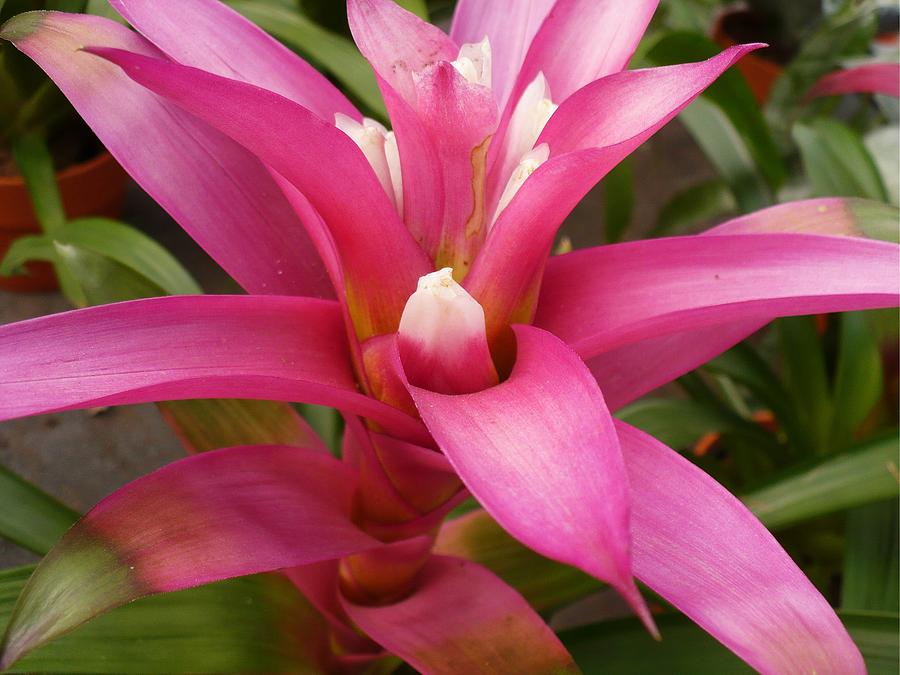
[22, 25]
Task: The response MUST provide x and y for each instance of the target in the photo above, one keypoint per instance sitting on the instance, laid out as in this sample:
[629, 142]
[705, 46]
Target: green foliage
[618, 201]
[727, 124]
[242, 625]
[611, 646]
[861, 475]
[29, 516]
[836, 160]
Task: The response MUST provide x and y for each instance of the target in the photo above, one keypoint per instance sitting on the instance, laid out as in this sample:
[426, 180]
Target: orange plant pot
[92, 188]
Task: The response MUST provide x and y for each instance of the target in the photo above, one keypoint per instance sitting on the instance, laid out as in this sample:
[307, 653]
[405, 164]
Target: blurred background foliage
[801, 420]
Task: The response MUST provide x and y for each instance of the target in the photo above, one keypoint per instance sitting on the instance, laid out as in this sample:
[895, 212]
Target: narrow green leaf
[38, 247]
[745, 366]
[418, 7]
[88, 278]
[72, 6]
[844, 33]
[30, 517]
[544, 583]
[806, 376]
[327, 423]
[680, 423]
[858, 380]
[624, 648]
[739, 142]
[693, 206]
[621, 647]
[877, 634]
[330, 51]
[618, 201]
[859, 476]
[208, 424]
[130, 248]
[871, 569]
[836, 160]
[255, 624]
[728, 152]
[104, 9]
[33, 159]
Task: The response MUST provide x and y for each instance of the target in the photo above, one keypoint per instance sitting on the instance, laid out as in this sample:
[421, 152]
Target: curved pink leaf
[606, 297]
[872, 78]
[540, 453]
[583, 40]
[510, 27]
[205, 33]
[212, 516]
[463, 619]
[591, 132]
[703, 551]
[458, 118]
[265, 347]
[321, 161]
[628, 372]
[221, 194]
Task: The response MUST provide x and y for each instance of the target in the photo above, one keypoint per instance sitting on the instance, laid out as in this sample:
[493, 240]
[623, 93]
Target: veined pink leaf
[871, 78]
[204, 33]
[510, 27]
[540, 453]
[221, 194]
[458, 118]
[591, 132]
[606, 297]
[463, 619]
[583, 40]
[368, 234]
[628, 372]
[579, 41]
[703, 551]
[265, 347]
[208, 517]
[397, 43]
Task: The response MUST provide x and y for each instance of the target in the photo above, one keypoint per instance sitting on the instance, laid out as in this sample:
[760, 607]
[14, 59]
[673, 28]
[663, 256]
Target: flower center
[474, 62]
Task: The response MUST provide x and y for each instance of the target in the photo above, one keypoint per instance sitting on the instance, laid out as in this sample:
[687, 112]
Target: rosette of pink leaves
[404, 277]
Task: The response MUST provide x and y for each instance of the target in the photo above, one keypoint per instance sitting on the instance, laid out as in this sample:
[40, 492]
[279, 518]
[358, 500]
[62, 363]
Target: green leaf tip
[22, 25]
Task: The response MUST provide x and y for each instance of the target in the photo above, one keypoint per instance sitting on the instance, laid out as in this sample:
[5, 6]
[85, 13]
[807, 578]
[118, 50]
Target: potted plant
[31, 107]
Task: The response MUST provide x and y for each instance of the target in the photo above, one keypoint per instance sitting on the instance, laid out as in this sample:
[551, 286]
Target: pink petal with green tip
[222, 195]
[212, 516]
[265, 347]
[607, 297]
[463, 619]
[589, 134]
[628, 372]
[703, 551]
[540, 453]
[510, 27]
[210, 35]
[871, 78]
[379, 259]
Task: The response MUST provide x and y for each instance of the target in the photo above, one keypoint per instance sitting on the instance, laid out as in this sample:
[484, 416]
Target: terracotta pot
[759, 71]
[93, 188]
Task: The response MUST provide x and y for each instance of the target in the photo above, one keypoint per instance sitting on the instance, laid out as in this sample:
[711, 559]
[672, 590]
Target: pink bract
[270, 169]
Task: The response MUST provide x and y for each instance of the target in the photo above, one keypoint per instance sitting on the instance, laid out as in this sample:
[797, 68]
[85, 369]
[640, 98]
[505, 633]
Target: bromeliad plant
[404, 277]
